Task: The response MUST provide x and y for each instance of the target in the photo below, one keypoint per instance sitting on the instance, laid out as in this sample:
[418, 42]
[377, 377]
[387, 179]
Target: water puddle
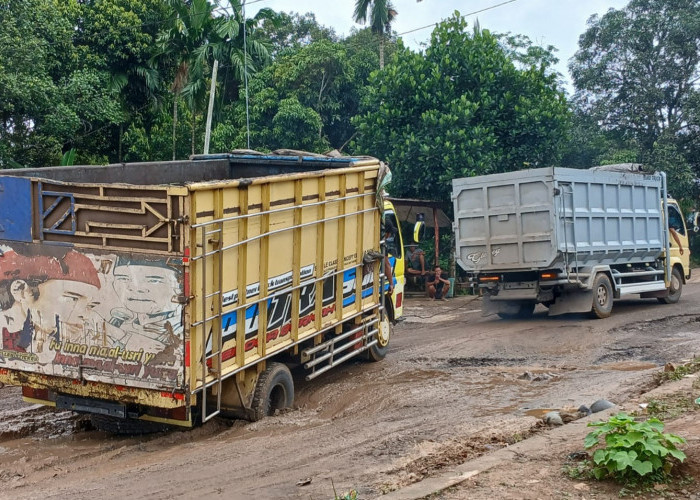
[627, 366]
[539, 412]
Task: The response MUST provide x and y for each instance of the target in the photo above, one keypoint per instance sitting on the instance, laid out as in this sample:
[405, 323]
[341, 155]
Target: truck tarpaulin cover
[110, 317]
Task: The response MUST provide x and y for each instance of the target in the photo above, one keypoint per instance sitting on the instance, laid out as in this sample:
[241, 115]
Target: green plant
[633, 450]
[670, 406]
[350, 495]
[678, 372]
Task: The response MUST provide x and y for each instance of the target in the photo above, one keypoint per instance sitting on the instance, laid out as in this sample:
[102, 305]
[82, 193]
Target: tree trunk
[194, 117]
[381, 51]
[174, 122]
[121, 134]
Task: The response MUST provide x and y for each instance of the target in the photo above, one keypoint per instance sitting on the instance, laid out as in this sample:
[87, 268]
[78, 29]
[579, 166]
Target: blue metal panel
[15, 209]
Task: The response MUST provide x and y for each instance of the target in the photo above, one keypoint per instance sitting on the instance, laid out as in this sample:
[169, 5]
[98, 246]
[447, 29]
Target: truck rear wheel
[274, 391]
[602, 296]
[674, 291]
[525, 310]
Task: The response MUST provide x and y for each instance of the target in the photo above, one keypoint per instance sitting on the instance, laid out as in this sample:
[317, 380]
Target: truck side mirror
[419, 228]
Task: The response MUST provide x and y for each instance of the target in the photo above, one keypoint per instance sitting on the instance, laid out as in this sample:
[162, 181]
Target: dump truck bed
[536, 219]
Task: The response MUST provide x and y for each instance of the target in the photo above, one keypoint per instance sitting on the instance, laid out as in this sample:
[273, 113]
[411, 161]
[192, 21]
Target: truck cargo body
[175, 299]
[567, 238]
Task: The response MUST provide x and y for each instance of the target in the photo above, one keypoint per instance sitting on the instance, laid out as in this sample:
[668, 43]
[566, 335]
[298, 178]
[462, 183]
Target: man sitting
[438, 284]
[415, 257]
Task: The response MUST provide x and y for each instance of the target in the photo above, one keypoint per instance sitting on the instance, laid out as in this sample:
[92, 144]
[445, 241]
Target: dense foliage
[97, 81]
[463, 108]
[637, 72]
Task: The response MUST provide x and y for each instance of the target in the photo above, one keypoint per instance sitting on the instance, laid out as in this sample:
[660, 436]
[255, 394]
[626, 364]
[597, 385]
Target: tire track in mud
[656, 340]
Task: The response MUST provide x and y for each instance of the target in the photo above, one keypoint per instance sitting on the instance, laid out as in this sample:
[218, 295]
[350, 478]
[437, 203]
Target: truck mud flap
[88, 405]
[579, 301]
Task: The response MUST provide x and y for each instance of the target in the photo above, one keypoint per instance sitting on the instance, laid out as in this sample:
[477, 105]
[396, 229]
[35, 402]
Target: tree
[637, 68]
[319, 83]
[120, 35]
[290, 31]
[52, 97]
[196, 36]
[380, 14]
[460, 109]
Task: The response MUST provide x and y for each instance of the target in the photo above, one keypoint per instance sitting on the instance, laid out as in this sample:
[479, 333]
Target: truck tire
[602, 296]
[126, 426]
[273, 391]
[378, 351]
[676, 288]
[524, 311]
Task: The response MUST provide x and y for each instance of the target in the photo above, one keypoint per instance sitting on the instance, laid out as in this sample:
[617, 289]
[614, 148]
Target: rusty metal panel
[110, 216]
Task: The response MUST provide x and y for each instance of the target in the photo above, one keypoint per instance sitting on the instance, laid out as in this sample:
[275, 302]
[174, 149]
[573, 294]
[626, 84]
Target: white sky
[546, 22]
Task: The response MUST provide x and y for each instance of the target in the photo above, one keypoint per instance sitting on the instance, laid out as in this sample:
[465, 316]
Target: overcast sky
[546, 22]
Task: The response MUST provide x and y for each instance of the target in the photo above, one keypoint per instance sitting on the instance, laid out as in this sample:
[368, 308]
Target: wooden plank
[320, 239]
[359, 247]
[342, 181]
[264, 269]
[242, 275]
[296, 258]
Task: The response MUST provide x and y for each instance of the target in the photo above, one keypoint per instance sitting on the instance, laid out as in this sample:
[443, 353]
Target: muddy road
[455, 385]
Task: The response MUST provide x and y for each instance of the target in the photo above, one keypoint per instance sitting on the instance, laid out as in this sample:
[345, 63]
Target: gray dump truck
[572, 240]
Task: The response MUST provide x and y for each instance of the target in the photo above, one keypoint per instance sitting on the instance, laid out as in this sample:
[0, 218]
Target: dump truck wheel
[274, 391]
[602, 296]
[127, 426]
[524, 311]
[674, 291]
[378, 351]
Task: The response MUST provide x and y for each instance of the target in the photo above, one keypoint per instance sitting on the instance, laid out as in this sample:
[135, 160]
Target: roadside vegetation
[633, 451]
[93, 82]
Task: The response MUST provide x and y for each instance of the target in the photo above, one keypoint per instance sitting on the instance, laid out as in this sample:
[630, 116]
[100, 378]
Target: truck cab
[678, 260]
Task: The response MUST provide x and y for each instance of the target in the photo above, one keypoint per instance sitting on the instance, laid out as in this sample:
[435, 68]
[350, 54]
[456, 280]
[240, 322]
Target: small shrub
[633, 450]
[679, 372]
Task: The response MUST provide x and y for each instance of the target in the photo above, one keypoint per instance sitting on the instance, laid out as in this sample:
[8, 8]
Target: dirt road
[455, 385]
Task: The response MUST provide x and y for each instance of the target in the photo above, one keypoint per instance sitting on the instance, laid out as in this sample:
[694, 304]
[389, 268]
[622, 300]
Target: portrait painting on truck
[107, 317]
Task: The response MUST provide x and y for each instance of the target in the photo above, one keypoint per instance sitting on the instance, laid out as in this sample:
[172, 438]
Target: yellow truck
[172, 292]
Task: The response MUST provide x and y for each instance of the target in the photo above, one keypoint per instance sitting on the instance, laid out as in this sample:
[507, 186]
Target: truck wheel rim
[675, 283]
[384, 332]
[602, 295]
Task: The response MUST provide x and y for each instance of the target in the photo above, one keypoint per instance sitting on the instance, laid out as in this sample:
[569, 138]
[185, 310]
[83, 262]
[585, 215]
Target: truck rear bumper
[515, 294]
[89, 405]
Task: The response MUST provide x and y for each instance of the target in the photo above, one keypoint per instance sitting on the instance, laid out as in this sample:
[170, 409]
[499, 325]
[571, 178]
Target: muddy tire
[127, 426]
[274, 391]
[676, 288]
[524, 311]
[602, 297]
[378, 351]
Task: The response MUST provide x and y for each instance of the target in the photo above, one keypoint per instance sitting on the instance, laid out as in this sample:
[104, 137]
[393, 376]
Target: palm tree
[381, 14]
[197, 36]
[191, 26]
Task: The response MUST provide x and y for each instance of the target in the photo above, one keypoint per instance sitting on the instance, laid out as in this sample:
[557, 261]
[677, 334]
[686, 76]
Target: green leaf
[678, 454]
[641, 468]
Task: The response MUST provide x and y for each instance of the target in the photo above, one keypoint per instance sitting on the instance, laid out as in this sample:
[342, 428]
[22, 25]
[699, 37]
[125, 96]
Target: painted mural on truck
[279, 305]
[97, 317]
